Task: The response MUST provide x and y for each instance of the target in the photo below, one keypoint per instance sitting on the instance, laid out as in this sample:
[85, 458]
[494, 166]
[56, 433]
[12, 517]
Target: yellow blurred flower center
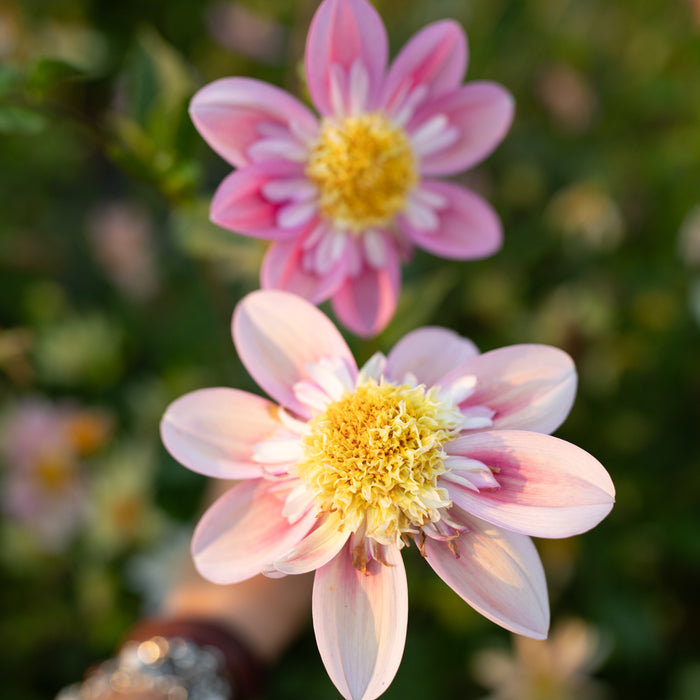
[54, 473]
[87, 432]
[374, 457]
[363, 167]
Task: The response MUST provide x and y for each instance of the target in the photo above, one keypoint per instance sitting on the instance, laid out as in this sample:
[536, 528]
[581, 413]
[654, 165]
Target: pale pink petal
[360, 623]
[548, 487]
[345, 36]
[212, 431]
[467, 228]
[428, 354]
[435, 59]
[240, 205]
[228, 113]
[276, 334]
[366, 303]
[283, 268]
[480, 112]
[316, 549]
[498, 573]
[530, 387]
[244, 531]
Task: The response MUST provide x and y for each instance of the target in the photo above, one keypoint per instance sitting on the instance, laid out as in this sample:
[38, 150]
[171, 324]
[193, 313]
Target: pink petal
[468, 226]
[277, 334]
[482, 113]
[316, 549]
[212, 431]
[243, 531]
[366, 303]
[428, 354]
[498, 573]
[548, 487]
[360, 623]
[239, 204]
[283, 268]
[342, 33]
[229, 112]
[531, 387]
[435, 59]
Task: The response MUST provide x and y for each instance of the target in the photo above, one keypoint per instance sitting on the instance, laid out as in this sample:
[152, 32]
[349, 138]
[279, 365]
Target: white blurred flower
[122, 512]
[558, 668]
[584, 212]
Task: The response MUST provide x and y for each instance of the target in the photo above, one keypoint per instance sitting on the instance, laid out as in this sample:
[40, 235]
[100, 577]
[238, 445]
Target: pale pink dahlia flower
[345, 198]
[433, 443]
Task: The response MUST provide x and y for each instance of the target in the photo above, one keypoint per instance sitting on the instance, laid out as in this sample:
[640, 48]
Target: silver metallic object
[170, 668]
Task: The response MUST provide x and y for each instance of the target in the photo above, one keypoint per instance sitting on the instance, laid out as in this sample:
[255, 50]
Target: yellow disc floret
[363, 167]
[374, 456]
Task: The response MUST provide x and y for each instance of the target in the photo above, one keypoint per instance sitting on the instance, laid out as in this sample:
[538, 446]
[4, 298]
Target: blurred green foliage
[597, 186]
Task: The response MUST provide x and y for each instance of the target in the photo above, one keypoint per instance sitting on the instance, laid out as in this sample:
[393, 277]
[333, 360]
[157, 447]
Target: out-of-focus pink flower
[42, 445]
[344, 199]
[433, 443]
[122, 242]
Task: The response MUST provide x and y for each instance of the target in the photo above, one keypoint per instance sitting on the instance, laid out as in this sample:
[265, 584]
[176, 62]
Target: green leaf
[47, 72]
[10, 79]
[21, 120]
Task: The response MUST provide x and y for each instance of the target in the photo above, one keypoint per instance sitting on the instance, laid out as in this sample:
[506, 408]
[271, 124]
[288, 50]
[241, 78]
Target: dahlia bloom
[345, 198]
[433, 443]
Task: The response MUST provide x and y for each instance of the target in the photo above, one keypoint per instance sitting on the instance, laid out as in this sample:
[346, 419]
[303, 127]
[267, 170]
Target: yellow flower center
[374, 457]
[54, 473]
[363, 167]
[87, 432]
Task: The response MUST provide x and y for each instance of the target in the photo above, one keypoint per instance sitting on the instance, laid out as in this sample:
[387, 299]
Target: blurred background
[116, 297]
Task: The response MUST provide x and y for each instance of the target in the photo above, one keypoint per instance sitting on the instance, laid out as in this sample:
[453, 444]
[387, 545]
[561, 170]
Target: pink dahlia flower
[43, 446]
[346, 197]
[433, 443]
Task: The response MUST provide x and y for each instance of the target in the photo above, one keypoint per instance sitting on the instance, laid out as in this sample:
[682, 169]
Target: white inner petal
[309, 394]
[296, 214]
[421, 216]
[329, 251]
[359, 88]
[276, 449]
[375, 249]
[407, 103]
[434, 134]
[372, 369]
[288, 149]
[297, 189]
[337, 82]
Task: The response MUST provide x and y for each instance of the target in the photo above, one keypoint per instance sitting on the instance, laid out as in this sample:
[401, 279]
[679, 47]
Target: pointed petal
[366, 303]
[240, 205]
[434, 59]
[481, 113]
[345, 33]
[467, 228]
[283, 268]
[360, 623]
[228, 113]
[212, 431]
[548, 487]
[498, 573]
[244, 531]
[530, 387]
[428, 354]
[316, 549]
[276, 333]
